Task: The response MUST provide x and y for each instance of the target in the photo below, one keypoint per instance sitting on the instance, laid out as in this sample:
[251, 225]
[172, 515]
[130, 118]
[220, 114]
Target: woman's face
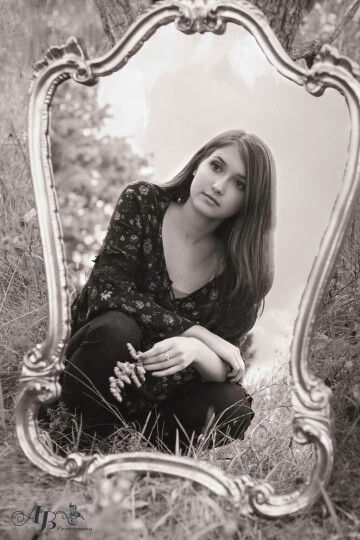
[219, 183]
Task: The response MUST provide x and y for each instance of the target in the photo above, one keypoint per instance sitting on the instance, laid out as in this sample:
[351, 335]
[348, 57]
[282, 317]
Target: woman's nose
[218, 187]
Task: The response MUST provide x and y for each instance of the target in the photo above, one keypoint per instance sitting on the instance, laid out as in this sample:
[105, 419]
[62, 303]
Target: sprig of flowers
[127, 373]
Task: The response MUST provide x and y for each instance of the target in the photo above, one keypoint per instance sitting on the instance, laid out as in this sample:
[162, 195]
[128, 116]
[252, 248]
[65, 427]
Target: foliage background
[27, 29]
[90, 170]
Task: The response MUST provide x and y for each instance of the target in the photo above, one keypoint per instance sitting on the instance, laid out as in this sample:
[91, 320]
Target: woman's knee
[234, 412]
[101, 344]
[223, 409]
[115, 326]
[231, 401]
[109, 330]
[228, 394]
[219, 395]
[198, 402]
[109, 333]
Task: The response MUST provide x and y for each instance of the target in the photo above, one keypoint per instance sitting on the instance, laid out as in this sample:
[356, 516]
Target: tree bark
[310, 49]
[117, 15]
[284, 16]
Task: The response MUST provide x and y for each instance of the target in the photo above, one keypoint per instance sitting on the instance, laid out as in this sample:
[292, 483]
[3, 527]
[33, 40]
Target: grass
[153, 505]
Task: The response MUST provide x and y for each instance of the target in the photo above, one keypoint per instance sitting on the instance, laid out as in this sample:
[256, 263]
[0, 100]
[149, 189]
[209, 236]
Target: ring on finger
[167, 358]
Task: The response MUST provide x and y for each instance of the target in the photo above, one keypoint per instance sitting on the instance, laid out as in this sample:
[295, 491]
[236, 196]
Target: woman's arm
[113, 284]
[174, 354]
[209, 365]
[227, 352]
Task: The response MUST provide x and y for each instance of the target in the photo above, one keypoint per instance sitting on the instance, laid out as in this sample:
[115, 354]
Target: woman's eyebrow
[243, 177]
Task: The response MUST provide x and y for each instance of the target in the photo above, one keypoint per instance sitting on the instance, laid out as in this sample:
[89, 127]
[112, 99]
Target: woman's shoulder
[146, 193]
[147, 196]
[143, 188]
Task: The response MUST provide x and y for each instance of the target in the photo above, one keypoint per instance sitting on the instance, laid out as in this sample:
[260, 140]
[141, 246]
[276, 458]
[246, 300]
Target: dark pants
[92, 353]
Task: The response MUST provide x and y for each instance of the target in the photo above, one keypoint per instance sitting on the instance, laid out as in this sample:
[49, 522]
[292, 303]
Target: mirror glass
[145, 122]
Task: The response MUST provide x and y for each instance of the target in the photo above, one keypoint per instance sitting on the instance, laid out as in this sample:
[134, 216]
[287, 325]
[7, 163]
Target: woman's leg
[221, 407]
[91, 355]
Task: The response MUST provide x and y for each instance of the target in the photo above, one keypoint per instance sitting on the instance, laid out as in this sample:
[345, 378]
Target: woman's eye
[240, 184]
[215, 166]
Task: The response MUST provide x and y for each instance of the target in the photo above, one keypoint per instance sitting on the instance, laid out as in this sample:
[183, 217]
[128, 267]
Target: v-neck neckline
[163, 260]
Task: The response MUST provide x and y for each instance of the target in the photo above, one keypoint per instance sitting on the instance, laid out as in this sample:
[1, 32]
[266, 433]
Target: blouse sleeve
[113, 284]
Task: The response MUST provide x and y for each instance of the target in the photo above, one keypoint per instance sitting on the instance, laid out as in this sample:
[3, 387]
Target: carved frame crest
[43, 364]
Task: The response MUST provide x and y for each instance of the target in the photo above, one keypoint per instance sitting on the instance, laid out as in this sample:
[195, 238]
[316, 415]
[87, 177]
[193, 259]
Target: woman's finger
[234, 364]
[239, 366]
[158, 354]
[235, 370]
[237, 378]
[160, 365]
[159, 358]
[158, 348]
[169, 371]
[152, 353]
[238, 373]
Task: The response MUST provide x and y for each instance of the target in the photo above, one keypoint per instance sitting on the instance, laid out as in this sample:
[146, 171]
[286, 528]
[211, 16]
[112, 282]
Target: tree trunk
[117, 15]
[284, 16]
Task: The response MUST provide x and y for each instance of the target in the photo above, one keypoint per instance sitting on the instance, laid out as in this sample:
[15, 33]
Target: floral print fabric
[130, 275]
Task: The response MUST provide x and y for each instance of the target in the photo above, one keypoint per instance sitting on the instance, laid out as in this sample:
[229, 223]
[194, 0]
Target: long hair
[246, 236]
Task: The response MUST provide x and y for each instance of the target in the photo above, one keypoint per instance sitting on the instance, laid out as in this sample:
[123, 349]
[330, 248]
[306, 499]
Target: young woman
[182, 276]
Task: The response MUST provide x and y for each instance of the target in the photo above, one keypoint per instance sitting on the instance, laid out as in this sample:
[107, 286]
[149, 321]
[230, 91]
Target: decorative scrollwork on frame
[78, 465]
[44, 388]
[200, 16]
[330, 55]
[35, 363]
[72, 46]
[327, 60]
[316, 395]
[319, 393]
[75, 54]
[42, 365]
[33, 359]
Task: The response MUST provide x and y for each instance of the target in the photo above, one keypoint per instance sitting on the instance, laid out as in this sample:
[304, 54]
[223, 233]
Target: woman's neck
[194, 226]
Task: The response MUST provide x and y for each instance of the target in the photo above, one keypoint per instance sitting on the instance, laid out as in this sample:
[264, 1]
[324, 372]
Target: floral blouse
[130, 275]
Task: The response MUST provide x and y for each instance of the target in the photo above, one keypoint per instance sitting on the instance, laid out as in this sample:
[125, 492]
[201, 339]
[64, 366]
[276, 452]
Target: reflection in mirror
[143, 124]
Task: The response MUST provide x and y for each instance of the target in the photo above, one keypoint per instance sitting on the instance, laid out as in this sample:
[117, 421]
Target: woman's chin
[205, 206]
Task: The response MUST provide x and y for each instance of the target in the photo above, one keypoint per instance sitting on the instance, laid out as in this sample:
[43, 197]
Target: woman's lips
[211, 198]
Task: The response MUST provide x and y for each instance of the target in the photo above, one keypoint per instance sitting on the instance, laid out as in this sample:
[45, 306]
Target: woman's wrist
[197, 331]
[208, 364]
[226, 352]
[206, 336]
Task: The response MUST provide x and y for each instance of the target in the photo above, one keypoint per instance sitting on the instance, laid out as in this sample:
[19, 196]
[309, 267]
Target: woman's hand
[231, 355]
[171, 355]
[226, 351]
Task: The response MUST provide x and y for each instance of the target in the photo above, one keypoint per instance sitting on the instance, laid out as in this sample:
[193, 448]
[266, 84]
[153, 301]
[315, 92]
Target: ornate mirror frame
[42, 365]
